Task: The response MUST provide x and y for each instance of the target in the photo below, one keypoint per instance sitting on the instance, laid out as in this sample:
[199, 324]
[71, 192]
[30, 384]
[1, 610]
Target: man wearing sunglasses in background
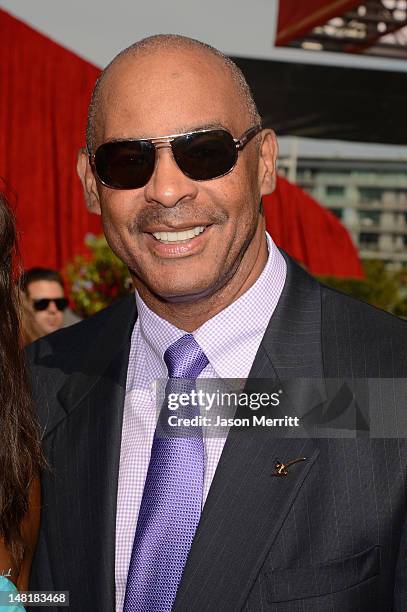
[176, 165]
[45, 294]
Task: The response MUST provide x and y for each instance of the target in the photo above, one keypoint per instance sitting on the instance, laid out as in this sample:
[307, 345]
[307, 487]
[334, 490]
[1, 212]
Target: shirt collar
[231, 338]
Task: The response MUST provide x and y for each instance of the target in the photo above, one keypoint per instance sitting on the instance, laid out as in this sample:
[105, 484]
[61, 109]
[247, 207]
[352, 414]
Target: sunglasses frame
[165, 141]
[49, 300]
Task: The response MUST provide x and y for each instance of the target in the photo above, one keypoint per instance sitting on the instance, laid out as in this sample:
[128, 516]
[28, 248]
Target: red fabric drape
[310, 233]
[45, 91]
[296, 18]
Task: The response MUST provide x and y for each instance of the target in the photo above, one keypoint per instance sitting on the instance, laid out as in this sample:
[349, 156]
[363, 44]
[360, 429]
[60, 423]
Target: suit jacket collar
[291, 345]
[112, 339]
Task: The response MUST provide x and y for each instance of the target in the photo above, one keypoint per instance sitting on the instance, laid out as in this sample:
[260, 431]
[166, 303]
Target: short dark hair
[39, 274]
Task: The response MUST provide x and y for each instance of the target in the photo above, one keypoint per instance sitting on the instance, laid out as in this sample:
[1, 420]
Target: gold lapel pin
[281, 469]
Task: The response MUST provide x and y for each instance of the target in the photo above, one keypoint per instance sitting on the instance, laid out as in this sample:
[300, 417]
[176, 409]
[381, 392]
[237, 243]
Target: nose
[52, 307]
[168, 185]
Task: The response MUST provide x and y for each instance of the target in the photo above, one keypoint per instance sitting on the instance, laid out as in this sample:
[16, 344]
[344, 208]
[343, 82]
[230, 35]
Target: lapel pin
[281, 469]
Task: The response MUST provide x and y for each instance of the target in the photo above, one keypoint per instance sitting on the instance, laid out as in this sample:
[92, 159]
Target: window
[335, 190]
[368, 218]
[368, 239]
[370, 194]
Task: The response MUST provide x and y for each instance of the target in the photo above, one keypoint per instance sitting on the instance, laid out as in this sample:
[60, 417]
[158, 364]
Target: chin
[52, 329]
[175, 286]
[184, 294]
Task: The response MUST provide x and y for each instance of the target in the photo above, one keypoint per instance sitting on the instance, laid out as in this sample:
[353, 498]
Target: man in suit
[132, 520]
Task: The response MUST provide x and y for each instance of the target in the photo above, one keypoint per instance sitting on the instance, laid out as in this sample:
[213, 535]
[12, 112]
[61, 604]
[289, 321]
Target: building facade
[367, 193]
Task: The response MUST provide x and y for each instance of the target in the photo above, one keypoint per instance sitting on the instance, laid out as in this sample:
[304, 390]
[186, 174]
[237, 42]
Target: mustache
[175, 216]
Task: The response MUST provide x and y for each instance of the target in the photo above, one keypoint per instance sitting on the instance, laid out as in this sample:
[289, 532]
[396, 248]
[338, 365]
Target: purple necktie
[172, 497]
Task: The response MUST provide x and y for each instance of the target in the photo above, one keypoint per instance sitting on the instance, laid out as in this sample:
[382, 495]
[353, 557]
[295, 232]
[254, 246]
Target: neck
[190, 315]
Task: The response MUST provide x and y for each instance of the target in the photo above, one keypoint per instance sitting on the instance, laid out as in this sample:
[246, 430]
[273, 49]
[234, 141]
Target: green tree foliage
[381, 287]
[97, 280]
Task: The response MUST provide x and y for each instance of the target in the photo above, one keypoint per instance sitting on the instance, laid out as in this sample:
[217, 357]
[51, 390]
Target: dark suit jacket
[329, 536]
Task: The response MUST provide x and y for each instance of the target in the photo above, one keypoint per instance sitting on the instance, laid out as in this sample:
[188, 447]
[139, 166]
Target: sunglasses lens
[205, 155]
[125, 164]
[41, 304]
[61, 303]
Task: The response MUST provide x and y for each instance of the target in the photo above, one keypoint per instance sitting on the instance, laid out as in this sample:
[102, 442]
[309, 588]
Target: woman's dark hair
[20, 450]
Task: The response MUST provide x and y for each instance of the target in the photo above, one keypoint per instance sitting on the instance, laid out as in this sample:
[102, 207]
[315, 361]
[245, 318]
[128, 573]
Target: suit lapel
[99, 355]
[247, 505]
[93, 398]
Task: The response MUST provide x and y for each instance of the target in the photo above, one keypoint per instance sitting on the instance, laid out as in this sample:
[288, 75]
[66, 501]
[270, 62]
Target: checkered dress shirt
[230, 341]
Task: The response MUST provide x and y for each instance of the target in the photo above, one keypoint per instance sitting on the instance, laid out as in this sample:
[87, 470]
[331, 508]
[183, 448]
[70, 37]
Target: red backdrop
[45, 91]
[310, 233]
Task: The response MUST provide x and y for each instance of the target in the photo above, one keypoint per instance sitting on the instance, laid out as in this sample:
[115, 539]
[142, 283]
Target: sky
[97, 29]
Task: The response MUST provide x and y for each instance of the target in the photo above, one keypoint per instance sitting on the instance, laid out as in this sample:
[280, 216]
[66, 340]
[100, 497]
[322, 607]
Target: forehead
[166, 93]
[44, 288]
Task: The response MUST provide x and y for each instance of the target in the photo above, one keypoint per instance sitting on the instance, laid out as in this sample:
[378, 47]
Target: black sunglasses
[43, 303]
[202, 156]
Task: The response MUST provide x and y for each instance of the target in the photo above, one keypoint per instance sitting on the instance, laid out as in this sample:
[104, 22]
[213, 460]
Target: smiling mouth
[179, 236]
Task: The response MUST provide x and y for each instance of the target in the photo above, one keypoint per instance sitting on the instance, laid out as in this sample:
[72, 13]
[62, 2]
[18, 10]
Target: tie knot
[185, 358]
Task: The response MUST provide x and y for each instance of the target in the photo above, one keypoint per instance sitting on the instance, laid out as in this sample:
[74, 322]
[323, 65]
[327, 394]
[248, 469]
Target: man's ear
[267, 162]
[88, 181]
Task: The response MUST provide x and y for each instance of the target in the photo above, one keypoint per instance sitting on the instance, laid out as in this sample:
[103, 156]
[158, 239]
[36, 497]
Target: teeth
[168, 237]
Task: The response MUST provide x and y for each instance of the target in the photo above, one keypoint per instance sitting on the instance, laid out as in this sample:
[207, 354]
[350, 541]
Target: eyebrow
[181, 130]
